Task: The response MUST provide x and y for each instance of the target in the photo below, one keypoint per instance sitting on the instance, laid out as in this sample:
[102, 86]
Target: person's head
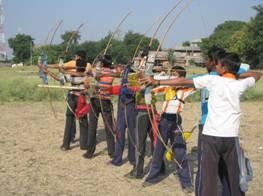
[214, 54]
[119, 68]
[106, 61]
[81, 65]
[80, 54]
[179, 71]
[229, 64]
[81, 62]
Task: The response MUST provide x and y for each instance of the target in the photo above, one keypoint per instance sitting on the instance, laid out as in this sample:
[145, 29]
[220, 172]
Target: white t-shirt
[223, 118]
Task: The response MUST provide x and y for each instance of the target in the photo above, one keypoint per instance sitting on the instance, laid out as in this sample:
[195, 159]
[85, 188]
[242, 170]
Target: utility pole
[3, 53]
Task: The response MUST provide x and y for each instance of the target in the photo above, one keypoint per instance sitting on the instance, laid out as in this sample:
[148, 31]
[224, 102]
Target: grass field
[20, 84]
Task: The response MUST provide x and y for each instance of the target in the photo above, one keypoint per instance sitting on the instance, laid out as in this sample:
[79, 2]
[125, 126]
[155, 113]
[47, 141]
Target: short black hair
[106, 60]
[213, 53]
[81, 65]
[219, 55]
[232, 62]
[180, 70]
[81, 54]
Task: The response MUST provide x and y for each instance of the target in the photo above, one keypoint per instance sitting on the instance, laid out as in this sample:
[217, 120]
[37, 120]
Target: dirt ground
[31, 162]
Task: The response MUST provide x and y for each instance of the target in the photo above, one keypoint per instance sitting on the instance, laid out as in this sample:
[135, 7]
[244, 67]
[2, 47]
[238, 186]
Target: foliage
[237, 43]
[222, 35]
[92, 48]
[53, 52]
[70, 43]
[254, 50]
[22, 47]
[122, 50]
[20, 84]
[186, 43]
[240, 37]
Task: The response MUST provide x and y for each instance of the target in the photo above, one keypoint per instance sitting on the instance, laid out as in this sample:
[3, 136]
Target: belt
[172, 117]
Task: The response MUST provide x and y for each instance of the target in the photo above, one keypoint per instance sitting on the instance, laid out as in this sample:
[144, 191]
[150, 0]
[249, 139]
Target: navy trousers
[70, 126]
[105, 108]
[168, 128]
[126, 109]
[198, 182]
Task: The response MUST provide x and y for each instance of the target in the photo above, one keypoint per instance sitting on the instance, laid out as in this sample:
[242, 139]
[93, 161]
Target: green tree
[53, 52]
[237, 43]
[254, 44]
[70, 43]
[186, 43]
[92, 48]
[222, 35]
[22, 47]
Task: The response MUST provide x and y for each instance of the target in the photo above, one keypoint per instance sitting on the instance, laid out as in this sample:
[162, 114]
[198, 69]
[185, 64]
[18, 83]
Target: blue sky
[36, 17]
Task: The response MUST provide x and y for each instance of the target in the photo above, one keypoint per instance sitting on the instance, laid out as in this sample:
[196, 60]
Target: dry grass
[31, 162]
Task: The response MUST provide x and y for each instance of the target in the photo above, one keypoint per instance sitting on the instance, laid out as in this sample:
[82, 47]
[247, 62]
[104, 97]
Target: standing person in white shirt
[222, 125]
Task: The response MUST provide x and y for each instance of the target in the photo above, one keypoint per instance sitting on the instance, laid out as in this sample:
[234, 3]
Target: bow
[98, 70]
[42, 64]
[148, 72]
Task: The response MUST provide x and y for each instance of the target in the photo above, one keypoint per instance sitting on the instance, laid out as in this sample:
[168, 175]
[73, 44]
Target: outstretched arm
[53, 66]
[255, 75]
[72, 73]
[173, 82]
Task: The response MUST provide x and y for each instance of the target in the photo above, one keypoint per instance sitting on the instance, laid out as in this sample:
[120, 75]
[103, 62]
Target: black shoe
[188, 189]
[83, 148]
[133, 175]
[146, 183]
[87, 155]
[139, 176]
[64, 148]
[112, 162]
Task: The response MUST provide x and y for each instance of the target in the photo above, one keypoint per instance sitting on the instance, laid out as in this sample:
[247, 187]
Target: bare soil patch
[31, 162]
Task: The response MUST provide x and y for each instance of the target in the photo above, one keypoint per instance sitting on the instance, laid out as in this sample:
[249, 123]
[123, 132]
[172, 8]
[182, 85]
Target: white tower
[3, 54]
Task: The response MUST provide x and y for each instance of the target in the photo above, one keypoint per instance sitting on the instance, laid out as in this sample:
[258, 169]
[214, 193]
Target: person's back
[221, 128]
[223, 104]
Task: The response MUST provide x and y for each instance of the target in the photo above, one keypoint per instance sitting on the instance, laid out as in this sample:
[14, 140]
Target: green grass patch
[20, 84]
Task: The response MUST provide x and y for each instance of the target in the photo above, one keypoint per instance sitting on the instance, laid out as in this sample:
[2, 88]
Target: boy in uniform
[170, 127]
[222, 124]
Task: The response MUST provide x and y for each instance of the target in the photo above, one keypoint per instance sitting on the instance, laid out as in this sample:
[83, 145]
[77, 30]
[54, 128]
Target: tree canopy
[244, 38]
[222, 35]
[253, 52]
[22, 46]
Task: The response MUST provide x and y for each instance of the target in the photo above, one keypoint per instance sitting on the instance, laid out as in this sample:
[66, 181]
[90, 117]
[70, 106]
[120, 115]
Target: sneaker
[188, 189]
[64, 148]
[87, 155]
[112, 162]
[146, 183]
[133, 175]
